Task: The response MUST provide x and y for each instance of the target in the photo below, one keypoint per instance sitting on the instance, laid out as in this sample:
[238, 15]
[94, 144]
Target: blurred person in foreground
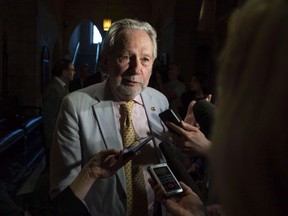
[249, 154]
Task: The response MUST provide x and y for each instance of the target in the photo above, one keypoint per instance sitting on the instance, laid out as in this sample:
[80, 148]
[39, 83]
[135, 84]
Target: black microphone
[177, 167]
[204, 112]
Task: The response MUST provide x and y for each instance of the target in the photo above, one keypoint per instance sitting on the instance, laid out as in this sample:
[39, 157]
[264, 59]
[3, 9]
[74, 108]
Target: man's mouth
[129, 81]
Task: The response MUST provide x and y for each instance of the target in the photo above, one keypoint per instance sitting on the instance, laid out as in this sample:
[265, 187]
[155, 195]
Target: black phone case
[169, 115]
[134, 149]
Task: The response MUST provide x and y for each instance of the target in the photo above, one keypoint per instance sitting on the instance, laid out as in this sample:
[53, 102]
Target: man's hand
[191, 140]
[102, 165]
[189, 118]
[185, 204]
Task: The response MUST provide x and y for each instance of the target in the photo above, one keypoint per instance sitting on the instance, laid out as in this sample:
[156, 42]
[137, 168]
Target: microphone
[204, 112]
[177, 167]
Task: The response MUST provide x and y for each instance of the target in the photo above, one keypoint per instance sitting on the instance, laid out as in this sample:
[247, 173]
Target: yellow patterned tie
[135, 185]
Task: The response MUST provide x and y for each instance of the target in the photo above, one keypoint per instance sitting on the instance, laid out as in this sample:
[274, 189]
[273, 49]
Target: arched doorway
[84, 45]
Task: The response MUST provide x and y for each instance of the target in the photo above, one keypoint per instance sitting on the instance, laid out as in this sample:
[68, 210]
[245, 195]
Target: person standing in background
[63, 73]
[173, 88]
[82, 80]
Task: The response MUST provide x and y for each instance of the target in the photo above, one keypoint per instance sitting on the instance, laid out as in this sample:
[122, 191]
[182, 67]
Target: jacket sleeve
[66, 203]
[65, 156]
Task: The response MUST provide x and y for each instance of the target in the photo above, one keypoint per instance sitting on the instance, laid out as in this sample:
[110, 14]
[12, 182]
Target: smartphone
[169, 115]
[133, 149]
[162, 174]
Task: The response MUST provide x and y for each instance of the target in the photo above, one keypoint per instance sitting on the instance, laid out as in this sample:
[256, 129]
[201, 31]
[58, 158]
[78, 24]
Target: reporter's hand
[185, 204]
[190, 118]
[191, 140]
[105, 163]
[102, 165]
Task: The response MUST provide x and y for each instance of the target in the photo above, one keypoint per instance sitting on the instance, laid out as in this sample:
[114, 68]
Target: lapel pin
[153, 109]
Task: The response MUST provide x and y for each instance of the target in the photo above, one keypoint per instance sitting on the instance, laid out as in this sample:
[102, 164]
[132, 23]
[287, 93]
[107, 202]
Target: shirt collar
[138, 99]
[60, 81]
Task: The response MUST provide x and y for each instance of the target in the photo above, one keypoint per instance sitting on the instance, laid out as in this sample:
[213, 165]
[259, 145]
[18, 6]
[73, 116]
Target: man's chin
[127, 93]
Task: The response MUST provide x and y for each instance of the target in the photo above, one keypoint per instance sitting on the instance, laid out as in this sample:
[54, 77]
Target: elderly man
[103, 115]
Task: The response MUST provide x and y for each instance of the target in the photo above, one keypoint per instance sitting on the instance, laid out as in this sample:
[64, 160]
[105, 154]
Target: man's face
[130, 64]
[69, 73]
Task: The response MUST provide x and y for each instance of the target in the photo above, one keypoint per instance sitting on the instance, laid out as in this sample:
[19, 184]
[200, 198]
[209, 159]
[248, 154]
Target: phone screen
[167, 179]
[162, 174]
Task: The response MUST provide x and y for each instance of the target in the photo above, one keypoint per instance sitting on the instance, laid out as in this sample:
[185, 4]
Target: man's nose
[135, 64]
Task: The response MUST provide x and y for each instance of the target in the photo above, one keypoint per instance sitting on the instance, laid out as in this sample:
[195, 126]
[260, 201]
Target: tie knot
[128, 106]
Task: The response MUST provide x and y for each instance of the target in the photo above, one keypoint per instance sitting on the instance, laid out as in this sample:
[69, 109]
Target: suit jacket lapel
[152, 109]
[105, 116]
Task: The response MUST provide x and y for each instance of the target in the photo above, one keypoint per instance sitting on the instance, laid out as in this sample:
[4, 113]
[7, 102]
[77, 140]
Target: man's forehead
[129, 35]
[125, 39]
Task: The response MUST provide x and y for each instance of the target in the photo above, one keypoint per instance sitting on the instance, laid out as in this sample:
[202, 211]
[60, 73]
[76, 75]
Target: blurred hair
[60, 65]
[128, 24]
[250, 151]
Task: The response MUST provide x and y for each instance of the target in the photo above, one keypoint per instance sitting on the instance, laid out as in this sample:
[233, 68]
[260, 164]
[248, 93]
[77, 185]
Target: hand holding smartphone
[169, 115]
[133, 149]
[162, 174]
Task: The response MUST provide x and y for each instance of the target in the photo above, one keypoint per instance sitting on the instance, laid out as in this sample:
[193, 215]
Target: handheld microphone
[204, 112]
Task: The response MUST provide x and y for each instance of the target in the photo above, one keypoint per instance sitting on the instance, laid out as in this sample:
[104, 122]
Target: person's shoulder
[154, 94]
[52, 82]
[176, 83]
[52, 86]
[92, 92]
[79, 100]
[150, 90]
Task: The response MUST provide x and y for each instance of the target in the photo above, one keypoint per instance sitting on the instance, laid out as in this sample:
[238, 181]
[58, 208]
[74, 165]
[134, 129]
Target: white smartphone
[162, 174]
